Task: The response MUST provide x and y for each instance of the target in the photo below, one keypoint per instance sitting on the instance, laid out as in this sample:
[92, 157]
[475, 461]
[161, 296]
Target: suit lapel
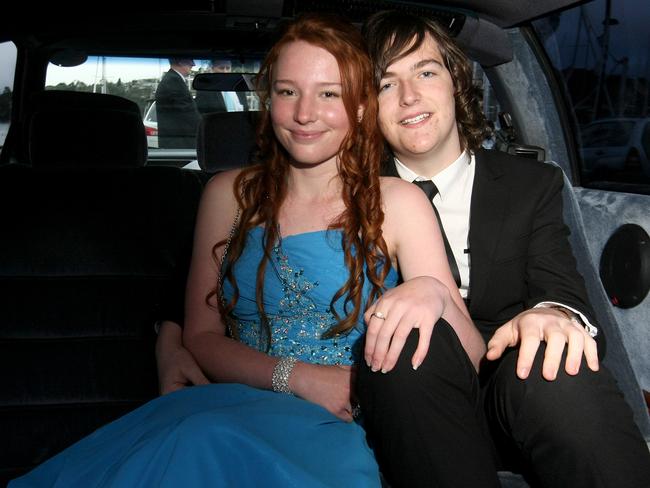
[490, 197]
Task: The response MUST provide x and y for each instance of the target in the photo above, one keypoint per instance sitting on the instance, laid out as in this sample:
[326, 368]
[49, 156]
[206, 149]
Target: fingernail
[374, 369]
[384, 370]
[416, 366]
[523, 372]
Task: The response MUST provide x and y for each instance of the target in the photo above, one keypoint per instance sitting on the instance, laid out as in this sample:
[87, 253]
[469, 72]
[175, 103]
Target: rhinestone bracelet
[281, 373]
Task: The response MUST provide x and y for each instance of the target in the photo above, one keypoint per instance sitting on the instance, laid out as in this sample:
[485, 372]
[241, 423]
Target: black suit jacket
[176, 112]
[519, 249]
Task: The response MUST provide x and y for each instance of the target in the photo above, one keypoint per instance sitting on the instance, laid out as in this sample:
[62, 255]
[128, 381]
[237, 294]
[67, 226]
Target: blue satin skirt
[218, 435]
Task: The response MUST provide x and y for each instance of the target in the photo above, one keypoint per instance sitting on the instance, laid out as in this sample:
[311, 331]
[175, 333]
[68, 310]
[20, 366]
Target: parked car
[151, 125]
[617, 145]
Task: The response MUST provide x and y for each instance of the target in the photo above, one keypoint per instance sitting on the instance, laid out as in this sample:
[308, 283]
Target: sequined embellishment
[298, 324]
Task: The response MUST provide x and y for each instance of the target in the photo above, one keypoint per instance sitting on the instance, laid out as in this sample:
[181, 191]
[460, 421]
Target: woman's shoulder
[219, 193]
[222, 180]
[397, 192]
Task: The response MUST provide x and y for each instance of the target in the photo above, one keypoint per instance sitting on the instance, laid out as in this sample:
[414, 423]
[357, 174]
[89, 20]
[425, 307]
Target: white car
[151, 125]
[617, 145]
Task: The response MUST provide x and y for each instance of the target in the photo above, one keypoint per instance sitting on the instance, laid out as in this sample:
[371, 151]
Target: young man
[562, 426]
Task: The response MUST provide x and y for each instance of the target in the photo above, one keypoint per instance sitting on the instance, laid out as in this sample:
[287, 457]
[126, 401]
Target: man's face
[184, 66]
[417, 114]
[222, 67]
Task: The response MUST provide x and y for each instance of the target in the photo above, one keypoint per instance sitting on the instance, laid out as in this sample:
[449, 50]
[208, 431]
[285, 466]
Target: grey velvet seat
[617, 359]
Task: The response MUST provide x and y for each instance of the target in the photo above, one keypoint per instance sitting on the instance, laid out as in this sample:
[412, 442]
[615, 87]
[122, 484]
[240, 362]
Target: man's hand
[531, 327]
[177, 368]
[416, 304]
[330, 387]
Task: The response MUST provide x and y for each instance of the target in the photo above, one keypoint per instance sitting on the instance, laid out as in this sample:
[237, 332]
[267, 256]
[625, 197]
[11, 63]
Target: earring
[267, 104]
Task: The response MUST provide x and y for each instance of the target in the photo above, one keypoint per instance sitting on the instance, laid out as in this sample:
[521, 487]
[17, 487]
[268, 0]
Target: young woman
[287, 255]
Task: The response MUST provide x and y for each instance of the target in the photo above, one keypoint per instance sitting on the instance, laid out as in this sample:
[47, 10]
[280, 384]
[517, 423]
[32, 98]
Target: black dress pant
[575, 431]
[428, 427]
[425, 426]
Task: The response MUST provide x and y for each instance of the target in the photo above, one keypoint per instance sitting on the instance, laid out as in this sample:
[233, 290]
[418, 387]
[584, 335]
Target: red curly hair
[261, 189]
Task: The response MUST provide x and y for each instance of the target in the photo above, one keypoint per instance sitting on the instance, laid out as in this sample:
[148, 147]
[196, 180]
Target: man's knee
[577, 428]
[568, 409]
[445, 370]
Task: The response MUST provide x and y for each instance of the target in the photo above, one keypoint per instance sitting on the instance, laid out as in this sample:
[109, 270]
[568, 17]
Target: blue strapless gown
[232, 435]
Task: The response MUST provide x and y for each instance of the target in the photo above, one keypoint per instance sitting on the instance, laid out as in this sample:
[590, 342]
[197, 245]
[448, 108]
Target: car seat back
[91, 246]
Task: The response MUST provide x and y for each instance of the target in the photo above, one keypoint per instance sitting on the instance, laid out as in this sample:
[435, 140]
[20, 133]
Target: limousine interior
[97, 220]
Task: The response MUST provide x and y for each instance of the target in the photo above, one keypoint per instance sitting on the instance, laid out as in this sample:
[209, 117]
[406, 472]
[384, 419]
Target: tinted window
[491, 106]
[7, 71]
[138, 80]
[645, 140]
[613, 133]
[601, 53]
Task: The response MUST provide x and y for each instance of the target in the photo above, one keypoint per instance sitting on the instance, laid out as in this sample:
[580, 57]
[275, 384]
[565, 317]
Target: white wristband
[591, 330]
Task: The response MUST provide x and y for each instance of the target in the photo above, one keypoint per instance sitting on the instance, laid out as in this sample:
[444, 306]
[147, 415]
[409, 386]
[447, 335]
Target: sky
[125, 69]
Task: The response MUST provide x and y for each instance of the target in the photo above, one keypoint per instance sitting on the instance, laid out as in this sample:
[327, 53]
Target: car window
[170, 107]
[139, 79]
[491, 106]
[601, 54]
[613, 133]
[7, 70]
[645, 140]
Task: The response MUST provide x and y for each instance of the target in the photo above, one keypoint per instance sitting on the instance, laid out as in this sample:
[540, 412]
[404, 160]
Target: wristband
[577, 320]
[281, 373]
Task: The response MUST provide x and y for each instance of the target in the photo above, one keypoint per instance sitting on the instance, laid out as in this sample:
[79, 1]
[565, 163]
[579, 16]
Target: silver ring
[379, 315]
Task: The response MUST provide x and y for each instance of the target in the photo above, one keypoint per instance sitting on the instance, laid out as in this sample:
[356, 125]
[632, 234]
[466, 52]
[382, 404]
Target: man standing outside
[561, 423]
[178, 117]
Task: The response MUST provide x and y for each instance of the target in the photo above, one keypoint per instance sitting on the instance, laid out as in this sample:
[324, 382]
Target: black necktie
[430, 190]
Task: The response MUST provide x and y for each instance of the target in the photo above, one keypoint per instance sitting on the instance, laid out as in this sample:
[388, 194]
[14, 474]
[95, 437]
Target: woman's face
[307, 111]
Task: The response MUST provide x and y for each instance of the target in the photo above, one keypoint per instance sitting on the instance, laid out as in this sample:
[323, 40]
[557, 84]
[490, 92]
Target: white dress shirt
[453, 201]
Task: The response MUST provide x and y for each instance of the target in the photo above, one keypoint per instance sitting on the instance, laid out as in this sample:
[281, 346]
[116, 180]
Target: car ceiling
[247, 27]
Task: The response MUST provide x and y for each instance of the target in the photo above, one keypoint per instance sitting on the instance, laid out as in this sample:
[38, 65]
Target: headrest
[78, 129]
[225, 140]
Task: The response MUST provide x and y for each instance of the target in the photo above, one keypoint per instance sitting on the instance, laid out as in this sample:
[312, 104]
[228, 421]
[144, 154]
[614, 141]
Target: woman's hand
[328, 386]
[415, 304]
[177, 368]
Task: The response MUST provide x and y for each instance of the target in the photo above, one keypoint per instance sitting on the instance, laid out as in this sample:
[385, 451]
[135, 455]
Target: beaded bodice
[304, 273]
